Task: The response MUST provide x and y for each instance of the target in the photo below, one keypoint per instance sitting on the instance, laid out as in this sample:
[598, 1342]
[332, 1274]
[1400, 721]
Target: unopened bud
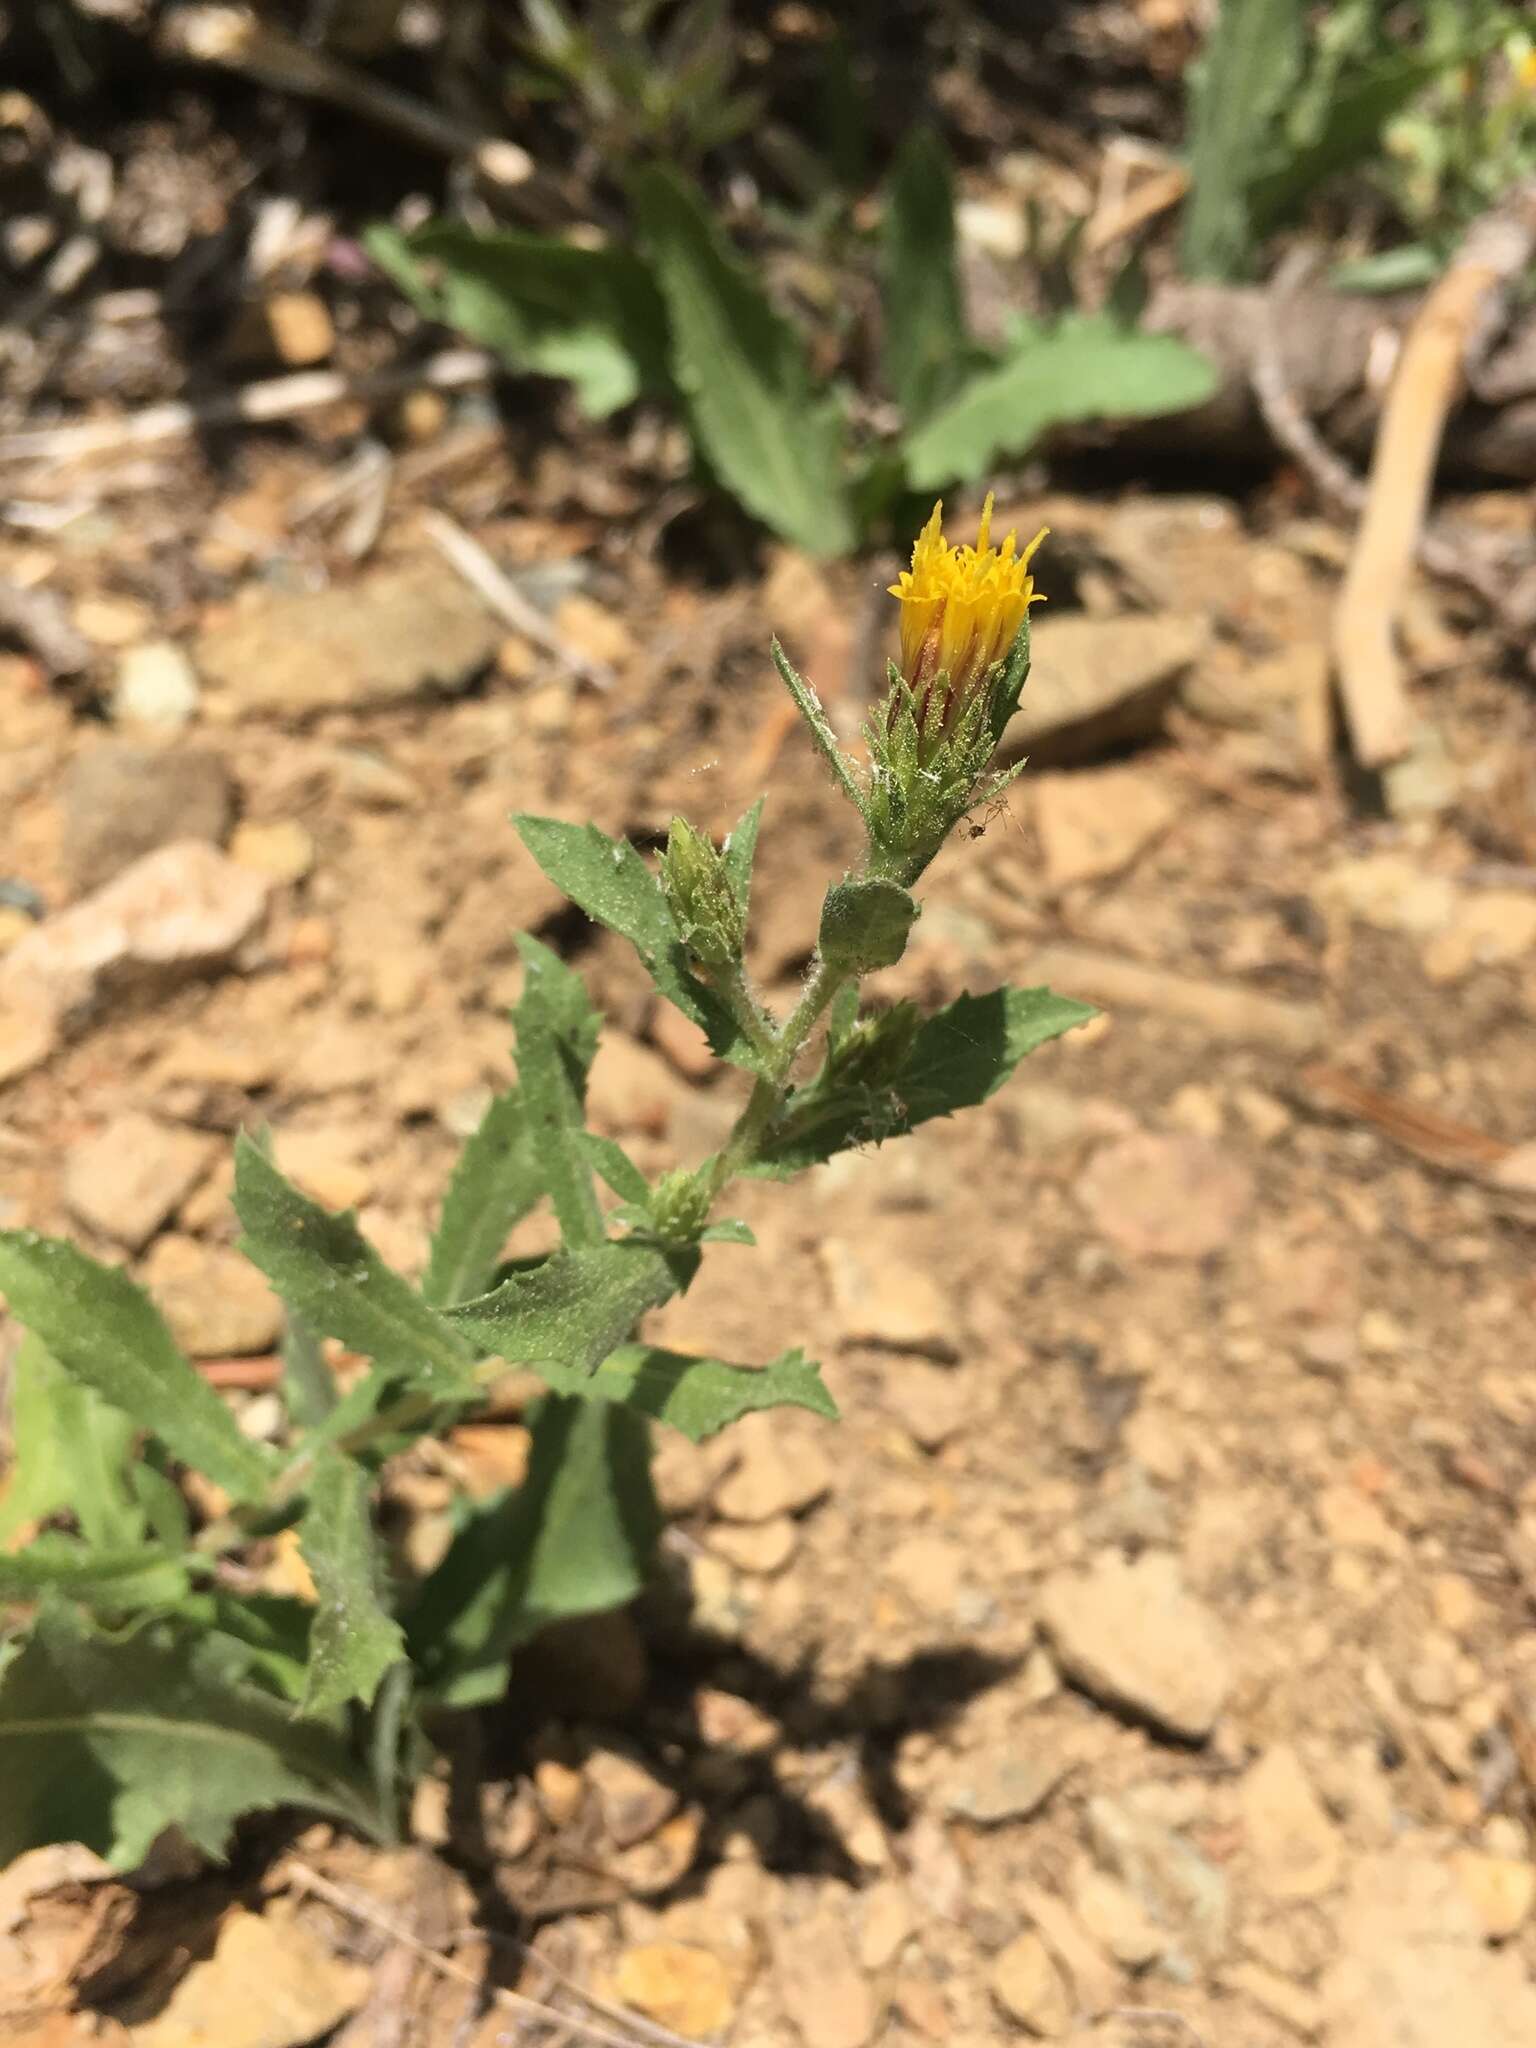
[702, 900]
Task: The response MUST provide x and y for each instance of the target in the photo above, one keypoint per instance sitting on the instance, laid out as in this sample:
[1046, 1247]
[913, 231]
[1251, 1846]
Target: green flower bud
[703, 902]
[680, 1206]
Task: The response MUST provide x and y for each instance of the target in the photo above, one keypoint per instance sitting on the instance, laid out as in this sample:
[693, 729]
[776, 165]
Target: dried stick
[275, 398]
[233, 37]
[368, 1914]
[1454, 320]
[464, 553]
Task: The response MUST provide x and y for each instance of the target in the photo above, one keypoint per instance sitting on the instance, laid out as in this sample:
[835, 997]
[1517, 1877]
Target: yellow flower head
[962, 607]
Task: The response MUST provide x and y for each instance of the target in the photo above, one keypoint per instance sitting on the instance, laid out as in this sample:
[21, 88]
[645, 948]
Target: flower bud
[680, 1206]
[703, 901]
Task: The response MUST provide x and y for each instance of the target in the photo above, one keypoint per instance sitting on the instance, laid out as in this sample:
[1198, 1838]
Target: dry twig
[1452, 326]
[275, 398]
[580, 2027]
[463, 552]
[234, 38]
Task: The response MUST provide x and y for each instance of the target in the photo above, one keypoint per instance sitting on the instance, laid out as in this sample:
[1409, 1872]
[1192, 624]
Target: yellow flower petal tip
[962, 607]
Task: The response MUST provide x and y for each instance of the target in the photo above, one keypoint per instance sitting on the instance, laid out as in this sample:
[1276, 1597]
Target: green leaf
[1250, 67]
[590, 315]
[576, 1307]
[699, 1396]
[122, 1579]
[494, 1185]
[259, 1637]
[954, 1060]
[743, 373]
[865, 925]
[1354, 121]
[927, 347]
[106, 1332]
[353, 1641]
[609, 881]
[614, 1164]
[1407, 268]
[309, 1391]
[1085, 367]
[323, 1266]
[109, 1740]
[71, 1453]
[738, 853]
[575, 1538]
[557, 1030]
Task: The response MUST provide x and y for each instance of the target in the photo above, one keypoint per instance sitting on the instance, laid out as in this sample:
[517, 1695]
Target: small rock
[826, 1996]
[930, 1570]
[1131, 1635]
[726, 1721]
[324, 1162]
[762, 1547]
[771, 1476]
[561, 1790]
[594, 631]
[299, 324]
[268, 1981]
[1292, 2004]
[1295, 1848]
[1491, 927]
[633, 1799]
[217, 1304]
[120, 802]
[1115, 1917]
[127, 1179]
[282, 850]
[182, 910]
[1502, 1890]
[684, 1988]
[683, 1043]
[630, 1088]
[1456, 1603]
[1185, 1893]
[1353, 1521]
[1166, 1196]
[931, 1402]
[1095, 822]
[156, 686]
[1011, 1784]
[894, 1304]
[113, 621]
[1392, 891]
[887, 1922]
[680, 1473]
[394, 634]
[1028, 1987]
[1098, 683]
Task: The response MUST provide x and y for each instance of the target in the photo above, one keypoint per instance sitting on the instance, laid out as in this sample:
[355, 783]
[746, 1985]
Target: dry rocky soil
[1147, 1659]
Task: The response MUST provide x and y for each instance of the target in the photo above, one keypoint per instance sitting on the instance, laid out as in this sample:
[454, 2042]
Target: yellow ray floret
[962, 607]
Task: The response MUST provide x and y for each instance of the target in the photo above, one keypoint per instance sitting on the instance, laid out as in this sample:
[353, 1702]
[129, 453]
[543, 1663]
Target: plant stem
[767, 1097]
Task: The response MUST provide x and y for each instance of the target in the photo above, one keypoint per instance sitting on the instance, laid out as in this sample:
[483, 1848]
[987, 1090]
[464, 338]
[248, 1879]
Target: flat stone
[1166, 1195]
[930, 1571]
[634, 1800]
[931, 1402]
[279, 848]
[762, 1547]
[217, 1304]
[685, 1988]
[181, 911]
[394, 634]
[1136, 1639]
[1183, 1892]
[890, 1303]
[1295, 1850]
[1028, 1986]
[827, 1997]
[268, 1983]
[1096, 684]
[1008, 1784]
[771, 1476]
[1094, 822]
[126, 1180]
[119, 802]
[1116, 1918]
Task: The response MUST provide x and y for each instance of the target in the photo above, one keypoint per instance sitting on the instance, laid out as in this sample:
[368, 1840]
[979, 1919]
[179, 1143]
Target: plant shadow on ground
[859, 1730]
